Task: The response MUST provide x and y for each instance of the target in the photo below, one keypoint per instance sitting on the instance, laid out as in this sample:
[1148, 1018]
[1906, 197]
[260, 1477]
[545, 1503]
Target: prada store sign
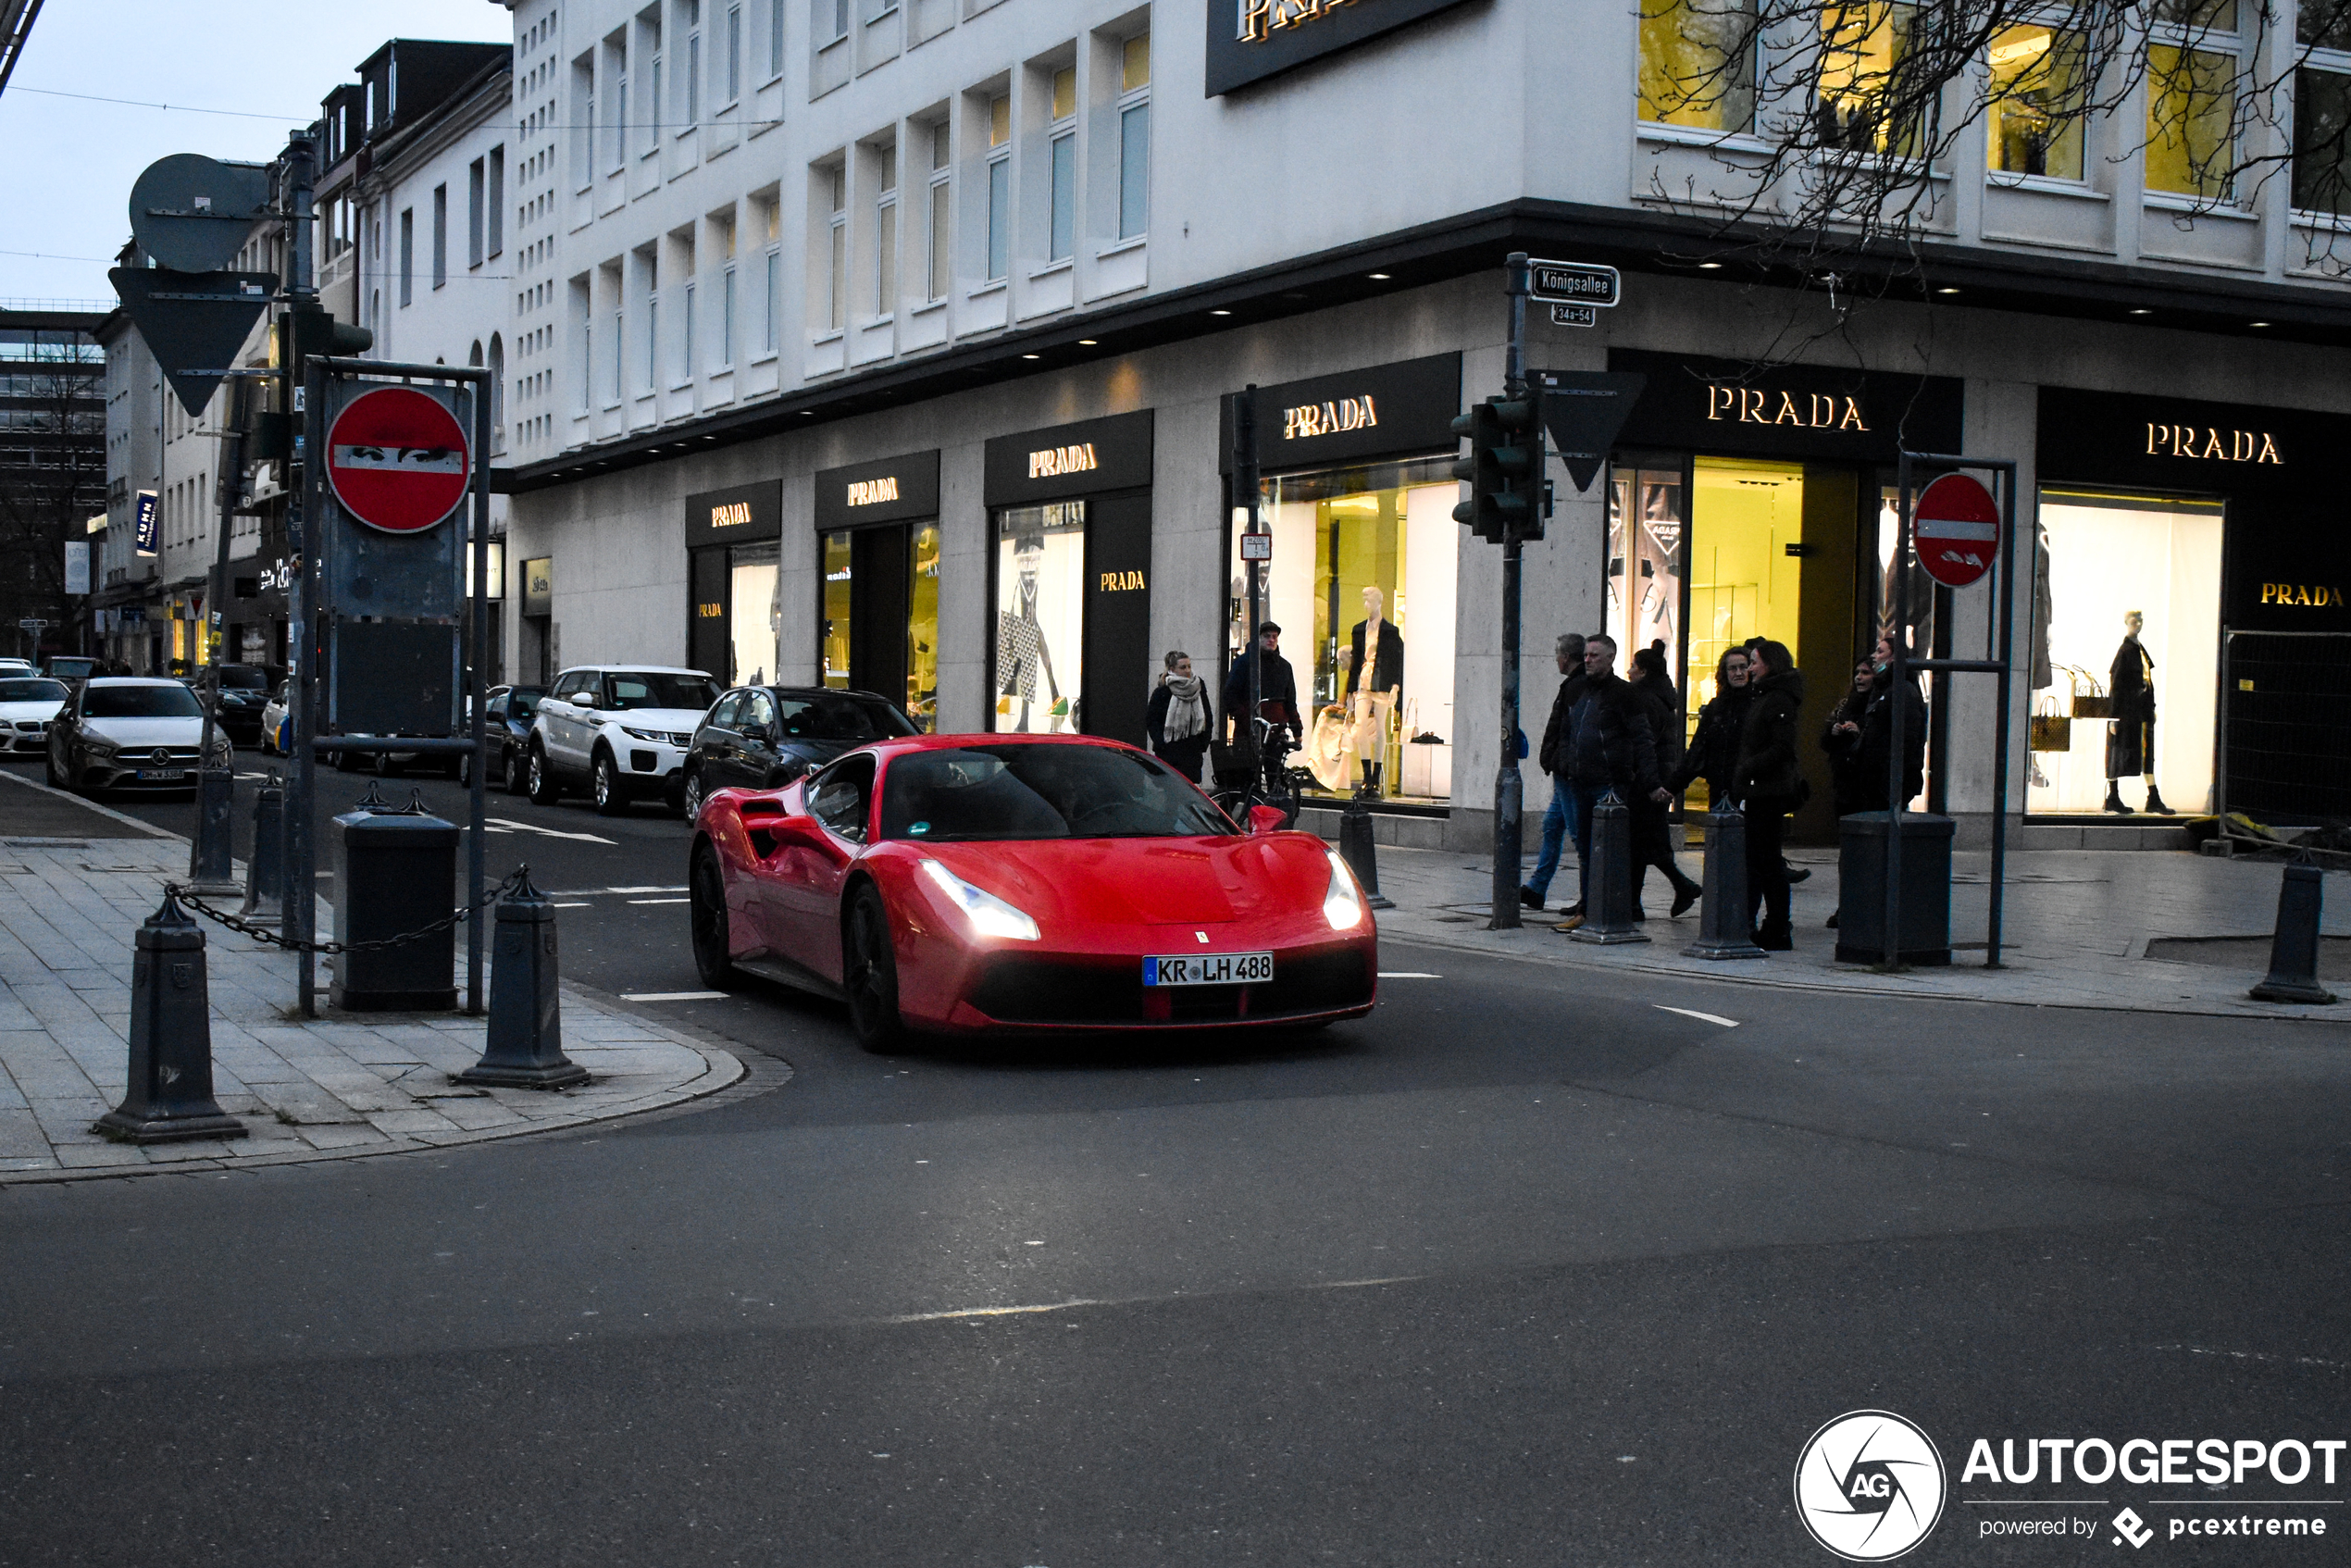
[1734, 407]
[1382, 410]
[1250, 39]
[894, 490]
[733, 516]
[1062, 462]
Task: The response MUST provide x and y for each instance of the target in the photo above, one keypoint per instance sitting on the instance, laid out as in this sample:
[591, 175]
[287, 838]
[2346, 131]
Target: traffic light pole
[1245, 479]
[304, 401]
[1508, 788]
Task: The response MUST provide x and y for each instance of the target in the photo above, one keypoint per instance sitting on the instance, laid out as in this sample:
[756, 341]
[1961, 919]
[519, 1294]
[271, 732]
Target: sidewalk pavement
[2078, 928]
[331, 1087]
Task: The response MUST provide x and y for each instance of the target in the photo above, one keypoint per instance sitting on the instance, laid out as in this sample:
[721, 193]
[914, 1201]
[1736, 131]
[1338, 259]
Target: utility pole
[1245, 479]
[301, 397]
[212, 852]
[1508, 788]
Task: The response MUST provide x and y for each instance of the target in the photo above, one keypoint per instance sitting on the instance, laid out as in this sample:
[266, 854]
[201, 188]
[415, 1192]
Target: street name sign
[398, 459]
[1956, 530]
[1572, 282]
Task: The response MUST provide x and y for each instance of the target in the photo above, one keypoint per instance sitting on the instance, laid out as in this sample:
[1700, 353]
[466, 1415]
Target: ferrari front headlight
[989, 915]
[1343, 905]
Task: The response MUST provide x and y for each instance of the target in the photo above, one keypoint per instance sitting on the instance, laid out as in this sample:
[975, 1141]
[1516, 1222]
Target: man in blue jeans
[1560, 822]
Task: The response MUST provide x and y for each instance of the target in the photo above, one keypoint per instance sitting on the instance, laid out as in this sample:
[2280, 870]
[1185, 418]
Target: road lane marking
[1701, 1017]
[511, 825]
[673, 996]
[1407, 974]
[658, 901]
[679, 888]
[580, 903]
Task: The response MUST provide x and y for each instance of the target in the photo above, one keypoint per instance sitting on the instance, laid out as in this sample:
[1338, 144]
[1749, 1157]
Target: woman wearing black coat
[1713, 753]
[1841, 739]
[1652, 829]
[1769, 787]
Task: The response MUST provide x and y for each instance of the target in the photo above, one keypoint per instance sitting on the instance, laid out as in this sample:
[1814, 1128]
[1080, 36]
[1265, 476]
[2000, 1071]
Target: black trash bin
[1925, 931]
[395, 872]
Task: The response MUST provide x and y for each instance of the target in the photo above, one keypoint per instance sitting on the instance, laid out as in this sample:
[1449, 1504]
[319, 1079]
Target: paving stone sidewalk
[2078, 927]
[335, 1086]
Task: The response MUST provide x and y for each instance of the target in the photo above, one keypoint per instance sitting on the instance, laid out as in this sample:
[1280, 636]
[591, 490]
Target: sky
[65, 180]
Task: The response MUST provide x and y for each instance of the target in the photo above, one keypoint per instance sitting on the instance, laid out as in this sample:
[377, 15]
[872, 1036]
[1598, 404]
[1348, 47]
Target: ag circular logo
[1869, 1486]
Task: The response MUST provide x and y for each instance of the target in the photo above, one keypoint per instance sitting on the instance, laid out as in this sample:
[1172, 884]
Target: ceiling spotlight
[1220, 313]
[1947, 291]
[1379, 276]
[1709, 266]
[2141, 310]
[1032, 356]
[2256, 323]
[1086, 343]
[808, 413]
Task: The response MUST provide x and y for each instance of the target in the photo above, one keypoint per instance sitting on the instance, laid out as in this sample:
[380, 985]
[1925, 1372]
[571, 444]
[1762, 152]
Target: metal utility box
[392, 678]
[395, 872]
[1926, 934]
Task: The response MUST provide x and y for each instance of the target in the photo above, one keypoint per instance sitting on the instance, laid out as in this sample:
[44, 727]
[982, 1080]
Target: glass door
[751, 613]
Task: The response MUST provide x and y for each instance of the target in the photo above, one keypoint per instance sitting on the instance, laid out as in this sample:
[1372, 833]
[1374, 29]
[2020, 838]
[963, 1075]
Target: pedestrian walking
[1769, 788]
[1177, 719]
[1559, 818]
[1610, 748]
[1652, 823]
[1713, 753]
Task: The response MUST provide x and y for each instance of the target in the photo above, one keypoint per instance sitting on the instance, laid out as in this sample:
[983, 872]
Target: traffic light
[316, 331]
[1500, 470]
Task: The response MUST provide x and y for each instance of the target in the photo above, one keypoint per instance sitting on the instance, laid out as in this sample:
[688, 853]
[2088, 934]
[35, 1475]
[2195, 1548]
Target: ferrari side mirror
[1265, 819]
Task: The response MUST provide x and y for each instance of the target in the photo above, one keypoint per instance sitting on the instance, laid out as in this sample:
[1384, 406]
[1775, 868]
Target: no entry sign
[398, 459]
[1957, 530]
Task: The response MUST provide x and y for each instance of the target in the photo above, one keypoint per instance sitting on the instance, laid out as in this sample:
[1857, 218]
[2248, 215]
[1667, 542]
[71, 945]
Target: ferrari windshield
[1041, 791]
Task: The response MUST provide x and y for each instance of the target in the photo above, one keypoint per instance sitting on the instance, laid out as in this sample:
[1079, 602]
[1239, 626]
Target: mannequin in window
[2130, 736]
[1021, 652]
[1373, 692]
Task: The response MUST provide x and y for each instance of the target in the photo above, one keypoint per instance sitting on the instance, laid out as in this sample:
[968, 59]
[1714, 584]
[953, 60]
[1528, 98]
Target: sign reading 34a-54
[398, 459]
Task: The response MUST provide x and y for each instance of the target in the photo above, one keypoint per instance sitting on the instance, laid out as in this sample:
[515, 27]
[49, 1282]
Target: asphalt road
[1532, 1266]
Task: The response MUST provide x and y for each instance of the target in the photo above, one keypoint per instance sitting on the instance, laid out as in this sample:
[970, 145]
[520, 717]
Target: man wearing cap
[1277, 687]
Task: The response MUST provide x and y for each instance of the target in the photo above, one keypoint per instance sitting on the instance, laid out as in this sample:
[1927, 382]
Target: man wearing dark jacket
[1608, 747]
[1559, 821]
[1275, 684]
[1769, 787]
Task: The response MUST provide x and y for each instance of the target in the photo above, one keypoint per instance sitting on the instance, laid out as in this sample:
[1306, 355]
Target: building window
[734, 52]
[497, 202]
[652, 323]
[1863, 49]
[836, 276]
[693, 66]
[1698, 64]
[886, 240]
[648, 40]
[773, 329]
[686, 366]
[584, 314]
[583, 129]
[774, 38]
[727, 317]
[619, 108]
[1134, 137]
[477, 183]
[408, 255]
[2323, 110]
[999, 188]
[831, 20]
[1061, 143]
[942, 237]
[440, 235]
[2192, 103]
[2039, 81]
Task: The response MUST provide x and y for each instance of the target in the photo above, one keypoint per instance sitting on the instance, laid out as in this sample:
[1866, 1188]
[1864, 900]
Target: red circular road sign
[1956, 529]
[398, 459]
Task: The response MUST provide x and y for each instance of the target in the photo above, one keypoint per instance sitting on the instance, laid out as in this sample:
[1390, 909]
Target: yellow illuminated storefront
[878, 551]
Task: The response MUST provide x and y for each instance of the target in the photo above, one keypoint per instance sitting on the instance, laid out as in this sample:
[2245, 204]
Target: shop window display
[837, 608]
[751, 612]
[1362, 582]
[922, 631]
[2126, 633]
[1040, 618]
[1645, 524]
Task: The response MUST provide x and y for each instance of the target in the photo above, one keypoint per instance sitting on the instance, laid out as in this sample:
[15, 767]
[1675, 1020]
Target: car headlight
[1343, 904]
[989, 915]
[659, 736]
[98, 748]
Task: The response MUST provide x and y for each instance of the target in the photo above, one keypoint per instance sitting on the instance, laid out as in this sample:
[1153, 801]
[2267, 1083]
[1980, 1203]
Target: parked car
[130, 732]
[505, 731]
[974, 883]
[17, 666]
[617, 731]
[28, 702]
[244, 692]
[72, 669]
[764, 736]
[277, 722]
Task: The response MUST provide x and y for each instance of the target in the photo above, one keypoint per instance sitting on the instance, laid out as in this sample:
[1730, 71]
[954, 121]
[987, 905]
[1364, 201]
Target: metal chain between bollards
[514, 882]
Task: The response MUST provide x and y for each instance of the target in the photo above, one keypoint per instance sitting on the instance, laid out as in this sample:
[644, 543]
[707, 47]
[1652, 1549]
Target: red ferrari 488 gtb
[964, 883]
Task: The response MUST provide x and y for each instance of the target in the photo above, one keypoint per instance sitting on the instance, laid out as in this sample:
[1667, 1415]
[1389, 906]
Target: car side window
[838, 798]
[759, 714]
[570, 687]
[724, 716]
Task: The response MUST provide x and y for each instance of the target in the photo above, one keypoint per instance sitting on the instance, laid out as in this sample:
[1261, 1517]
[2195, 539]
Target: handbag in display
[2093, 703]
[2052, 730]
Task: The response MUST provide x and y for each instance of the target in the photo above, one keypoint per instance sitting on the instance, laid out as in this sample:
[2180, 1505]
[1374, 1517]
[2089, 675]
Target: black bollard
[265, 872]
[1608, 888]
[212, 855]
[1356, 848]
[525, 1047]
[169, 1097]
[2294, 951]
[1722, 920]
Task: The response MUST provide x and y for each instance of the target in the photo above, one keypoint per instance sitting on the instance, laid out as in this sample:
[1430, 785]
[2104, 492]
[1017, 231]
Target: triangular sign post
[193, 322]
[1582, 410]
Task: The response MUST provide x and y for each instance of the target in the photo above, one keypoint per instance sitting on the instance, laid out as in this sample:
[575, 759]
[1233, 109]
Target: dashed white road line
[673, 996]
[658, 901]
[1701, 1017]
[1407, 974]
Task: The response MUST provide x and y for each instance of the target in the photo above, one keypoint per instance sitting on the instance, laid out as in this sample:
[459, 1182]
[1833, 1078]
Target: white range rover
[617, 732]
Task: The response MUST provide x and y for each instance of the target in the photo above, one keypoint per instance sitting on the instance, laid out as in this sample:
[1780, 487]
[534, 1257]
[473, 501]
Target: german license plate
[161, 774]
[1208, 969]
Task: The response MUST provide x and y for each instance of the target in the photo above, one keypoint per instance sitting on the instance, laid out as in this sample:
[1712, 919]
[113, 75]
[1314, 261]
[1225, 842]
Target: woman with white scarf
[1177, 719]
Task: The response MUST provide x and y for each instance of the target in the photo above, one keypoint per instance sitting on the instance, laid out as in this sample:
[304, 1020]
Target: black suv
[764, 736]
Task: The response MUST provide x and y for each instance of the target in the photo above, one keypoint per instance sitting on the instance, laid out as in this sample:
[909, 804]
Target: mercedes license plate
[161, 774]
[1209, 969]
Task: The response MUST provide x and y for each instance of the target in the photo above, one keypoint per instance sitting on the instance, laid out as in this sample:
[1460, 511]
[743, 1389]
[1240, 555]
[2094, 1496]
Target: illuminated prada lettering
[2303, 595]
[734, 515]
[1054, 461]
[1259, 19]
[872, 493]
[1311, 419]
[1122, 582]
[2211, 446]
[1811, 411]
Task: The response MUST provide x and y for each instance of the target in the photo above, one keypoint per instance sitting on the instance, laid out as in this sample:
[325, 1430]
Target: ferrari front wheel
[870, 968]
[706, 891]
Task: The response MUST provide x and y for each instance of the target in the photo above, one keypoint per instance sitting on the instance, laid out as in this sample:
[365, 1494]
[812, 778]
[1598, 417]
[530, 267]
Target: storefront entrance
[732, 577]
[878, 544]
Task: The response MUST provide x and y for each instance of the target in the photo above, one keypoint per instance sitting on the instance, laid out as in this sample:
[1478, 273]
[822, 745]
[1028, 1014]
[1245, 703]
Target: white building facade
[894, 345]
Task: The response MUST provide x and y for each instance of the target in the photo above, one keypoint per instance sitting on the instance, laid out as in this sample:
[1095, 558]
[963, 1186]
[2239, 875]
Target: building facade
[52, 470]
[897, 345]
